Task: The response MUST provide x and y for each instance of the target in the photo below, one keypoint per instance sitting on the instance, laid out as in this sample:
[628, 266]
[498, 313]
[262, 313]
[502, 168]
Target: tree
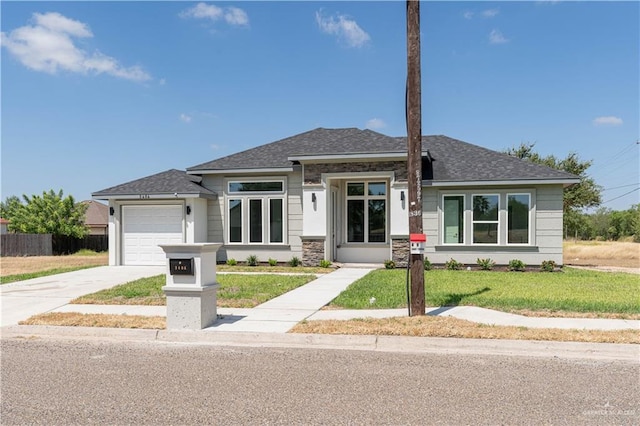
[46, 214]
[582, 195]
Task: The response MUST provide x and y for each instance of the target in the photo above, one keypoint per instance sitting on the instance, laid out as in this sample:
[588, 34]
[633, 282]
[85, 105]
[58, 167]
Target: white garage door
[144, 227]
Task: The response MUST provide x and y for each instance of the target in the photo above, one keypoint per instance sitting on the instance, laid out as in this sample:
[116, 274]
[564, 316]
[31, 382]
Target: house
[96, 217]
[341, 195]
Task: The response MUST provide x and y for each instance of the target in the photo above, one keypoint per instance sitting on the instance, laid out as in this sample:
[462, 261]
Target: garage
[144, 227]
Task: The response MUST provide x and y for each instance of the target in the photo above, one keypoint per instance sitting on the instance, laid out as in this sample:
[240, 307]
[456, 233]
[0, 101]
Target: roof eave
[154, 196]
[509, 182]
[241, 171]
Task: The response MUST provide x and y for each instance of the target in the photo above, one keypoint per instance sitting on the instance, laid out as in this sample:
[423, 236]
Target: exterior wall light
[313, 197]
[401, 195]
[188, 210]
[112, 211]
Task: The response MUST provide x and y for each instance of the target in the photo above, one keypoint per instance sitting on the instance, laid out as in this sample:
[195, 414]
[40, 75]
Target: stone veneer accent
[312, 252]
[313, 172]
[400, 252]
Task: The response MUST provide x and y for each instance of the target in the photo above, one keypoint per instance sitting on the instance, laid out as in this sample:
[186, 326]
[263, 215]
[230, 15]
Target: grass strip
[29, 275]
[455, 327]
[74, 319]
[572, 290]
[236, 291]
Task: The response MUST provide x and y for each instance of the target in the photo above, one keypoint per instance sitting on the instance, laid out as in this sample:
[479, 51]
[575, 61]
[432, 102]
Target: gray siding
[546, 223]
[216, 217]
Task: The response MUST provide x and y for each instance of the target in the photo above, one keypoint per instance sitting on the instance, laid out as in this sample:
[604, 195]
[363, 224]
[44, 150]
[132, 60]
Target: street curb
[396, 344]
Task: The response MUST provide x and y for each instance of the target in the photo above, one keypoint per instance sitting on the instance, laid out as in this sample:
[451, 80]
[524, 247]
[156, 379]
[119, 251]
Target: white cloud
[376, 123]
[231, 15]
[607, 121]
[490, 13]
[345, 28]
[48, 46]
[467, 14]
[185, 118]
[496, 37]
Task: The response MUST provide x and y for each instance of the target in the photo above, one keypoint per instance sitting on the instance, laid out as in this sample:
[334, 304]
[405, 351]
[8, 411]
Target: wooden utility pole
[414, 151]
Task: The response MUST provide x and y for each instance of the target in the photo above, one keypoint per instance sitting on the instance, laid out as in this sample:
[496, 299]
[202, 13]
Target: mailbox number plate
[181, 266]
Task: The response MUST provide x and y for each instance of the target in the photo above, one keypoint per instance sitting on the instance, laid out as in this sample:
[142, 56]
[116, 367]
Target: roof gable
[319, 141]
[168, 183]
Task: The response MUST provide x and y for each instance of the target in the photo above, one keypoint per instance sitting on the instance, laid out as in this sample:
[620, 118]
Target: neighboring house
[341, 195]
[97, 218]
[3, 226]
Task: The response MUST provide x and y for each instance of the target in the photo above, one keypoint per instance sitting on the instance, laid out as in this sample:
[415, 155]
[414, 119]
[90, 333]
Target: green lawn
[236, 290]
[572, 290]
[29, 275]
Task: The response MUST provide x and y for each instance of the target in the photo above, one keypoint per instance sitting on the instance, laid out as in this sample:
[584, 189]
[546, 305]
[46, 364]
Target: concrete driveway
[23, 299]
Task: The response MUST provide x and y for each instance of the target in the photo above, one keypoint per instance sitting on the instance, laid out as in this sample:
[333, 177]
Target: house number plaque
[181, 266]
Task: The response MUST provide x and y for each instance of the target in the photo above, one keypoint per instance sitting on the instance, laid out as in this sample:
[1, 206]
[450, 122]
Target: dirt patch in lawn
[30, 264]
[454, 327]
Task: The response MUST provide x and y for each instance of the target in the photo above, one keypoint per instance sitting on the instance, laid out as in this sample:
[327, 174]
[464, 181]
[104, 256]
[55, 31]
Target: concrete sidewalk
[23, 299]
[52, 294]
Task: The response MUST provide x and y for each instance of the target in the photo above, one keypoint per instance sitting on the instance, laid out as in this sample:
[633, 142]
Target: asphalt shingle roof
[453, 160]
[450, 160]
[167, 182]
[314, 142]
[457, 161]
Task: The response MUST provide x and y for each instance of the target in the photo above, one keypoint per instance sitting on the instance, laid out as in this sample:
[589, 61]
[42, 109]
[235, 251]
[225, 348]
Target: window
[256, 212]
[485, 219]
[499, 219]
[453, 219]
[518, 218]
[366, 212]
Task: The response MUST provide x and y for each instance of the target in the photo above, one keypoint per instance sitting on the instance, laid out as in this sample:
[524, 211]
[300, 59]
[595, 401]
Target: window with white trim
[518, 218]
[256, 212]
[486, 209]
[453, 219]
[499, 218]
[366, 212]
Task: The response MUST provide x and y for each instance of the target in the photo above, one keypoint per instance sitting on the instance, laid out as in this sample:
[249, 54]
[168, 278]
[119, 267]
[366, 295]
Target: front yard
[236, 290]
[572, 292]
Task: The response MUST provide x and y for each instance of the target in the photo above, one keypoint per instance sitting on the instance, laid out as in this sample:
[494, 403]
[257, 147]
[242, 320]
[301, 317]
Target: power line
[625, 194]
[618, 187]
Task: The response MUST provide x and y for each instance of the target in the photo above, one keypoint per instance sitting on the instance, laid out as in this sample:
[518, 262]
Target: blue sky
[95, 94]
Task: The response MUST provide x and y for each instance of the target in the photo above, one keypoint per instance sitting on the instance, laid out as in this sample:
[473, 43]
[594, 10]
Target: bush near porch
[572, 290]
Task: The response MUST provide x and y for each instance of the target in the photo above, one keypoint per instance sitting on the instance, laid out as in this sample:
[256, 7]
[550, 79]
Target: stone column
[191, 285]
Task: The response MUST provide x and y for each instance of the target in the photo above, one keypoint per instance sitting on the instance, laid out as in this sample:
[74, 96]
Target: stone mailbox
[191, 285]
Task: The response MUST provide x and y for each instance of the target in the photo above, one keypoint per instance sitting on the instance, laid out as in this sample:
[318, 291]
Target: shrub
[389, 264]
[486, 264]
[252, 260]
[516, 265]
[427, 264]
[272, 262]
[294, 262]
[548, 266]
[453, 265]
[325, 263]
[232, 262]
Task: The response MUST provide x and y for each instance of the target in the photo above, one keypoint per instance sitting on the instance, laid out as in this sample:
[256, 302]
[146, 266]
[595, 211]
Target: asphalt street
[66, 381]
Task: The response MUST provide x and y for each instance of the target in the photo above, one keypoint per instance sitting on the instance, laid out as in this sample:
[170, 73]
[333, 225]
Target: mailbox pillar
[191, 285]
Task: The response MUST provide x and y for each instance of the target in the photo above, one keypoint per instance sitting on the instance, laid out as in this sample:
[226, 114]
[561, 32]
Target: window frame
[464, 216]
[529, 216]
[496, 221]
[246, 198]
[365, 199]
[503, 217]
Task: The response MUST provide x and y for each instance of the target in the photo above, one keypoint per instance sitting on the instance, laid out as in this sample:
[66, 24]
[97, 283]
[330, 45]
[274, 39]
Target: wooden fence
[26, 245]
[48, 245]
